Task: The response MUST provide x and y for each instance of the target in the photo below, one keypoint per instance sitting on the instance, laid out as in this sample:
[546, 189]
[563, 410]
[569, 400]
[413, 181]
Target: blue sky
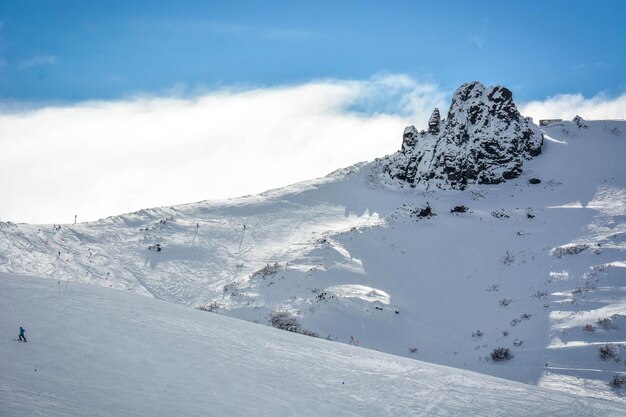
[69, 51]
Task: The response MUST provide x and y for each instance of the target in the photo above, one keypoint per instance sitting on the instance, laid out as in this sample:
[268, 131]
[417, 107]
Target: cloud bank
[102, 158]
[96, 159]
[566, 106]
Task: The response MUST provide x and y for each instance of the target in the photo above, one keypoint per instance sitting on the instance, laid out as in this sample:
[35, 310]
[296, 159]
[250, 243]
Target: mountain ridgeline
[483, 140]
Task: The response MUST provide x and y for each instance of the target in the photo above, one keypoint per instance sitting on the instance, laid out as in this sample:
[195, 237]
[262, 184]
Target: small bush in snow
[606, 352]
[589, 328]
[285, 321]
[459, 209]
[414, 349]
[501, 354]
[505, 302]
[477, 333]
[505, 333]
[618, 380]
[268, 270]
[534, 181]
[508, 259]
[500, 214]
[211, 308]
[605, 323]
[515, 322]
[156, 247]
[518, 342]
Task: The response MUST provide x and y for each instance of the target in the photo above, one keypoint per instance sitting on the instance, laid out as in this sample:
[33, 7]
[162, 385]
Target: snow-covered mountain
[515, 250]
[96, 352]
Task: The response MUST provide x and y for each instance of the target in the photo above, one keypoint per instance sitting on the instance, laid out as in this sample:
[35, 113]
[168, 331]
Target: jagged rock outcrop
[434, 123]
[484, 140]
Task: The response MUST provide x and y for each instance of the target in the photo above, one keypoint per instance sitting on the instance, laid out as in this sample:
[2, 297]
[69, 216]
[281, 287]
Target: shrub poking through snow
[500, 214]
[501, 354]
[283, 320]
[606, 352]
[605, 323]
[618, 380]
[505, 302]
[508, 259]
[477, 333]
[518, 342]
[414, 349]
[459, 209]
[156, 247]
[589, 328]
[534, 181]
[211, 308]
[269, 270]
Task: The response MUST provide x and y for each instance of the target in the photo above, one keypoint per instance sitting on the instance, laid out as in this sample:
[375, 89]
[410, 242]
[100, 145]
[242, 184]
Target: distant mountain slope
[94, 352]
[529, 264]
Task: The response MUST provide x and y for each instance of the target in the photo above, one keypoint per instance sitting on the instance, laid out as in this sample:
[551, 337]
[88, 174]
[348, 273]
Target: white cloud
[566, 106]
[102, 158]
[38, 60]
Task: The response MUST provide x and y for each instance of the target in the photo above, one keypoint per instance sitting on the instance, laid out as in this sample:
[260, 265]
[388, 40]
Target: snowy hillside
[97, 352]
[536, 264]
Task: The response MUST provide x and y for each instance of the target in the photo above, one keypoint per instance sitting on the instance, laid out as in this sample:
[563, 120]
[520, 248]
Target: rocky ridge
[483, 140]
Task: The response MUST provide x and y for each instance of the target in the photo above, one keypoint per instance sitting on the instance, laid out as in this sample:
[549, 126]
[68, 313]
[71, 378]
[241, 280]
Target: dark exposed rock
[483, 140]
[434, 122]
[580, 122]
[458, 209]
[534, 181]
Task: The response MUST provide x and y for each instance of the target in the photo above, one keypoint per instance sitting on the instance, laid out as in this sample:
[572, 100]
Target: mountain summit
[484, 140]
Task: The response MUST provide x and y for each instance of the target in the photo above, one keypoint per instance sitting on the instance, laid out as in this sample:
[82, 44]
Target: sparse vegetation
[505, 302]
[606, 323]
[500, 214]
[618, 380]
[211, 308]
[268, 270]
[534, 180]
[501, 354]
[459, 209]
[155, 247]
[589, 328]
[518, 342]
[477, 333]
[285, 321]
[607, 352]
[508, 259]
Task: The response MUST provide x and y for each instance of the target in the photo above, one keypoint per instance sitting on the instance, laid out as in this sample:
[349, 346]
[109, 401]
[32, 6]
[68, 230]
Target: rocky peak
[483, 140]
[434, 122]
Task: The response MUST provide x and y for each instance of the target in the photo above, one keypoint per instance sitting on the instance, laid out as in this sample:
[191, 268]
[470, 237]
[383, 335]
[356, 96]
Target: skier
[22, 337]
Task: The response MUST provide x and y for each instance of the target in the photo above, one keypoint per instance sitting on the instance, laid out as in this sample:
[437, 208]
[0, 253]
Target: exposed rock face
[483, 140]
[434, 123]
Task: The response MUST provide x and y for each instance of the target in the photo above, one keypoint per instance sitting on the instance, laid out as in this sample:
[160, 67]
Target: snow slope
[347, 244]
[98, 352]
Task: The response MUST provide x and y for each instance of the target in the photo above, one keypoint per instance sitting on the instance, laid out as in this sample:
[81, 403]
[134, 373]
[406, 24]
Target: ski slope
[99, 352]
[529, 266]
